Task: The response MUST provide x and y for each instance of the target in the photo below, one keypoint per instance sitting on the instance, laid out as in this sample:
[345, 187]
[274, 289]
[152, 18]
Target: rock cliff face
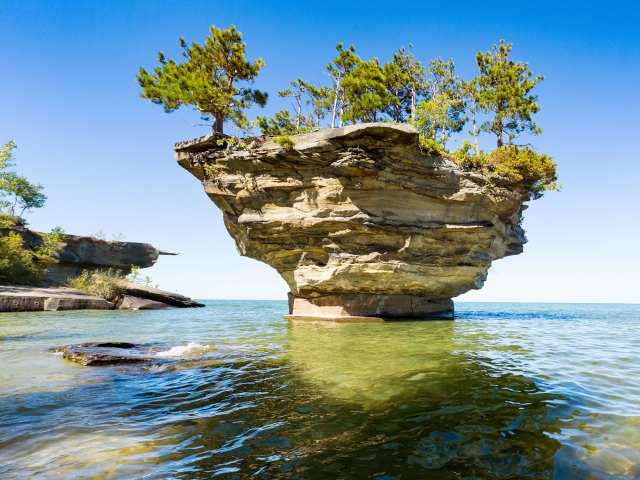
[87, 253]
[358, 220]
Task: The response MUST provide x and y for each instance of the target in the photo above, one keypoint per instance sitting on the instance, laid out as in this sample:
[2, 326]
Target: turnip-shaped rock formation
[359, 221]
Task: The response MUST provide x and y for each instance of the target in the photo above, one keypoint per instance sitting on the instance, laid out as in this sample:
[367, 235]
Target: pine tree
[405, 83]
[297, 90]
[442, 114]
[504, 91]
[365, 92]
[470, 93]
[208, 79]
[338, 70]
[320, 103]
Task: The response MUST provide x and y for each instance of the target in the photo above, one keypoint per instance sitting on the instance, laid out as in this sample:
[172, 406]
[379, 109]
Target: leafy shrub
[467, 157]
[518, 168]
[7, 220]
[108, 284]
[22, 266]
[285, 142]
[17, 265]
[431, 146]
[524, 168]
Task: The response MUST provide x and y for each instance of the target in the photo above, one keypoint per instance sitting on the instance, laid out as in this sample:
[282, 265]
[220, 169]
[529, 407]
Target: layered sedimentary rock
[359, 221]
[80, 253]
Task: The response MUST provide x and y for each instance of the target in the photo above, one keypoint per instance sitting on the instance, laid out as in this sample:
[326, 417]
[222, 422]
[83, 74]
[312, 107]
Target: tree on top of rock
[504, 90]
[405, 78]
[365, 91]
[215, 78]
[340, 68]
[441, 114]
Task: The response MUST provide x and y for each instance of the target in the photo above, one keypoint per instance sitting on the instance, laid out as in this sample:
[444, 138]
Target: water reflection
[420, 401]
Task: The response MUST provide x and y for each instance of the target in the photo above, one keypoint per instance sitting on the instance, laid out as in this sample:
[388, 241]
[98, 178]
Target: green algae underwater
[505, 391]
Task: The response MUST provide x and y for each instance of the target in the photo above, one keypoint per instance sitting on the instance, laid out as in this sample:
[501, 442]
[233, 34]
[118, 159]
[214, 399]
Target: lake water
[506, 391]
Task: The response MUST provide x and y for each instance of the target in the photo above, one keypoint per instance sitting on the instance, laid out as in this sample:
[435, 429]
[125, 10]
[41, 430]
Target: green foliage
[319, 103]
[17, 194]
[20, 265]
[7, 221]
[208, 79]
[339, 69]
[108, 284]
[285, 142]
[524, 168]
[504, 91]
[442, 113]
[405, 81]
[365, 92]
[431, 146]
[519, 168]
[51, 242]
[439, 117]
[280, 124]
[468, 157]
[17, 266]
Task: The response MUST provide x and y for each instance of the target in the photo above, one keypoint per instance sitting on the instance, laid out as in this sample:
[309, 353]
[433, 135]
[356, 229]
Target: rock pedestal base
[368, 308]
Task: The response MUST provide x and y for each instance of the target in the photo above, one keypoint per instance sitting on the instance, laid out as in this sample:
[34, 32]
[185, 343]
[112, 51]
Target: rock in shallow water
[106, 353]
[118, 353]
[360, 212]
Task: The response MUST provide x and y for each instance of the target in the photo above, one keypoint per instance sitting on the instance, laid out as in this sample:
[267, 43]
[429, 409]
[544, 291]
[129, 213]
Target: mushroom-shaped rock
[359, 221]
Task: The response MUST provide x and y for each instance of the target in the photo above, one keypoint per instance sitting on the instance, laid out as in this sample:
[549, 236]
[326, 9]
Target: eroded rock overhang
[359, 221]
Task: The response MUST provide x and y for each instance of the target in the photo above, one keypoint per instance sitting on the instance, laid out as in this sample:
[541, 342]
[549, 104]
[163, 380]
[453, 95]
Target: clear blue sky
[70, 100]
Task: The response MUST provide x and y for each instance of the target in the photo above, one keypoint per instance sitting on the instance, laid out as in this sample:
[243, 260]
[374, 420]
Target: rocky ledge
[359, 221]
[18, 298]
[79, 253]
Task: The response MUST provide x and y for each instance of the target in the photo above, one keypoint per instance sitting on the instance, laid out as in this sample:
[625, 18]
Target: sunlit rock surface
[358, 220]
[79, 253]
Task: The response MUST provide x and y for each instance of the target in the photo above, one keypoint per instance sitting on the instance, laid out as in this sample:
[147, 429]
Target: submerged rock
[118, 353]
[108, 353]
[359, 221]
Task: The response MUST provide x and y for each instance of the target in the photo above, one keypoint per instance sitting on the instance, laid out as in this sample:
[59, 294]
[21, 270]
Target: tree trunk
[413, 102]
[475, 134]
[335, 104]
[218, 122]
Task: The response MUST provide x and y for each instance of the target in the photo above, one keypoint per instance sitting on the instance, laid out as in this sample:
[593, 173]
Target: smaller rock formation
[18, 298]
[156, 295]
[78, 254]
[35, 299]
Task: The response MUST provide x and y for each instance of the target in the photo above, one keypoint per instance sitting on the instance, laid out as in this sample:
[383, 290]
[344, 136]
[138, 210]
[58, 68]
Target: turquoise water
[506, 391]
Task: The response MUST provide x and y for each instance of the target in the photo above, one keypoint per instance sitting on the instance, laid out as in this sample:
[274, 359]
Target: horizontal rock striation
[80, 253]
[359, 220]
[14, 298]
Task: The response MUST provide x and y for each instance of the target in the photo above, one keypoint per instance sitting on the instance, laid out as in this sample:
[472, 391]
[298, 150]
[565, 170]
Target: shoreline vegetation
[217, 80]
[28, 279]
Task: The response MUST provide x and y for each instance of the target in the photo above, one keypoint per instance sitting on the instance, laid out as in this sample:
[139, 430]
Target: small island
[359, 221]
[352, 195]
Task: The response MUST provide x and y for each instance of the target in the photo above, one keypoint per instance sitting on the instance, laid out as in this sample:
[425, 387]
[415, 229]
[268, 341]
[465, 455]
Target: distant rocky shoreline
[81, 253]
